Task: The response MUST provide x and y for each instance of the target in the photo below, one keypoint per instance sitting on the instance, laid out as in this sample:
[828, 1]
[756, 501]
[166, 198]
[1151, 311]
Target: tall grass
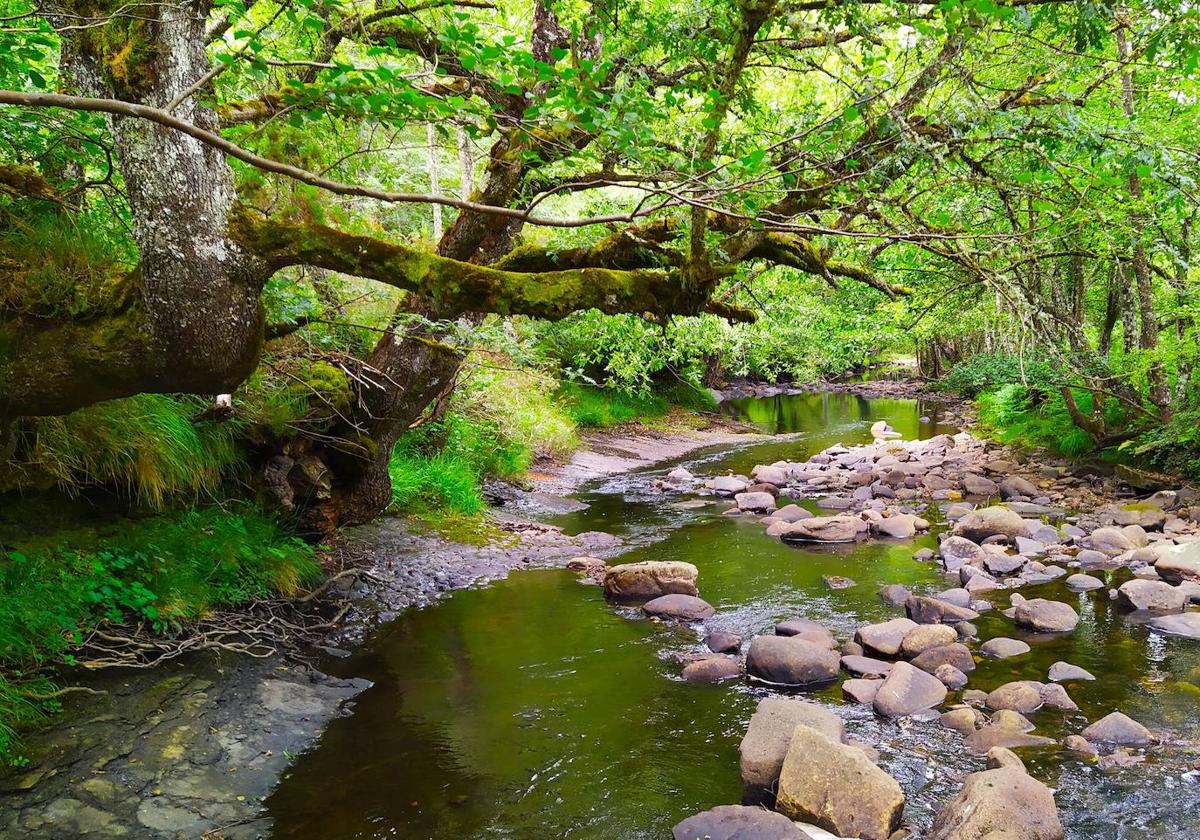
[146, 445]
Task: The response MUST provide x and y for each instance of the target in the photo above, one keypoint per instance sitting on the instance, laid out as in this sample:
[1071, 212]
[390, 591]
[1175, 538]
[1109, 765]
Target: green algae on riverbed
[531, 709]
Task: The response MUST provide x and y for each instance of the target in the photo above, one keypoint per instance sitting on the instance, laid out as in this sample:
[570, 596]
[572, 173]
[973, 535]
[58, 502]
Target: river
[532, 709]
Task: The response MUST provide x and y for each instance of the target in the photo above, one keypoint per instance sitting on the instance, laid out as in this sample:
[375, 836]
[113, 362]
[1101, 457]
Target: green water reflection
[531, 709]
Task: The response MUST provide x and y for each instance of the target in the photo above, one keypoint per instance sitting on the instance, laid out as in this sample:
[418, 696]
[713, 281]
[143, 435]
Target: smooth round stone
[711, 669]
[681, 607]
[738, 822]
[865, 666]
[722, 641]
[1003, 648]
[1065, 671]
[1084, 583]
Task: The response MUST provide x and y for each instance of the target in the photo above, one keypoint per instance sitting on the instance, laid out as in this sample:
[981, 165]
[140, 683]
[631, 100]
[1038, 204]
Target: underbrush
[991, 371]
[591, 406]
[1173, 447]
[164, 573]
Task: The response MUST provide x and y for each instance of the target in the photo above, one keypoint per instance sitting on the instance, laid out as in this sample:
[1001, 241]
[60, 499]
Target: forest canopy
[295, 220]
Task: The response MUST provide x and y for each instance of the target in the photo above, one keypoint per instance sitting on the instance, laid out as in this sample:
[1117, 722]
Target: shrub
[989, 371]
[1018, 414]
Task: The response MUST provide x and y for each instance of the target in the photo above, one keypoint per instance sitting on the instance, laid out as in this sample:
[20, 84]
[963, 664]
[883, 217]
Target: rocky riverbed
[1009, 524]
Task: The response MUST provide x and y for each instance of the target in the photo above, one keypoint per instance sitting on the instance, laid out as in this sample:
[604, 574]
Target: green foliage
[1017, 414]
[595, 407]
[146, 445]
[1174, 446]
[989, 371]
[164, 572]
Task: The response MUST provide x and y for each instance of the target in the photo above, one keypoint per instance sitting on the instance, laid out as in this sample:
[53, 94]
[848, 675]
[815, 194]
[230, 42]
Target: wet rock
[959, 597]
[1056, 697]
[860, 690]
[756, 502]
[650, 579]
[679, 607]
[958, 551]
[998, 757]
[1111, 541]
[1004, 564]
[722, 641]
[908, 690]
[1015, 486]
[901, 526]
[737, 822]
[1021, 696]
[768, 736]
[788, 660]
[1084, 583]
[1120, 759]
[1030, 548]
[826, 529]
[1065, 672]
[925, 636]
[1186, 625]
[711, 669]
[980, 524]
[932, 611]
[680, 474]
[1003, 648]
[886, 637]
[770, 474]
[864, 666]
[808, 630]
[729, 485]
[979, 584]
[894, 594]
[837, 788]
[1179, 563]
[1150, 595]
[837, 582]
[1046, 616]
[953, 654]
[988, 738]
[977, 485]
[851, 649]
[1079, 744]
[951, 677]
[960, 720]
[1118, 729]
[791, 513]
[1089, 558]
[1002, 804]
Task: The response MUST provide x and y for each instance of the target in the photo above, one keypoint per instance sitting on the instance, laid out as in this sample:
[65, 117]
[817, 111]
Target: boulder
[711, 669]
[737, 822]
[1111, 541]
[959, 551]
[1014, 486]
[787, 660]
[1151, 595]
[958, 596]
[728, 485]
[1046, 616]
[1119, 729]
[810, 629]
[978, 525]
[1177, 563]
[1002, 648]
[836, 787]
[1065, 671]
[1084, 583]
[925, 636]
[1021, 696]
[757, 502]
[977, 485]
[767, 738]
[962, 720]
[1076, 744]
[861, 691]
[951, 677]
[1004, 564]
[791, 513]
[933, 611]
[886, 637]
[901, 525]
[679, 607]
[894, 594]
[1056, 697]
[650, 579]
[865, 666]
[1002, 804]
[988, 738]
[954, 654]
[908, 690]
[680, 474]
[998, 757]
[1186, 625]
[825, 529]
[722, 641]
[770, 474]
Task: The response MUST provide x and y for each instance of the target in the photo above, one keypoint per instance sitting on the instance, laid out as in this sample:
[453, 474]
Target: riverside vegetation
[272, 270]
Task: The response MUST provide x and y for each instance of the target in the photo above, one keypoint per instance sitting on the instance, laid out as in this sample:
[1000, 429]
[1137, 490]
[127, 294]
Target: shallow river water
[531, 709]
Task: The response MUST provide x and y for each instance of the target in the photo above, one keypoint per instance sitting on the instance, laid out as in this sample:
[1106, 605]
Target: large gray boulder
[1177, 563]
[825, 529]
[1046, 616]
[679, 607]
[737, 822]
[1002, 804]
[1118, 729]
[836, 787]
[908, 690]
[884, 638]
[770, 474]
[978, 525]
[1003, 648]
[789, 660]
[959, 551]
[1151, 595]
[767, 738]
[1080, 582]
[650, 579]
[1186, 625]
[1111, 541]
[925, 636]
[728, 485]
[757, 501]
